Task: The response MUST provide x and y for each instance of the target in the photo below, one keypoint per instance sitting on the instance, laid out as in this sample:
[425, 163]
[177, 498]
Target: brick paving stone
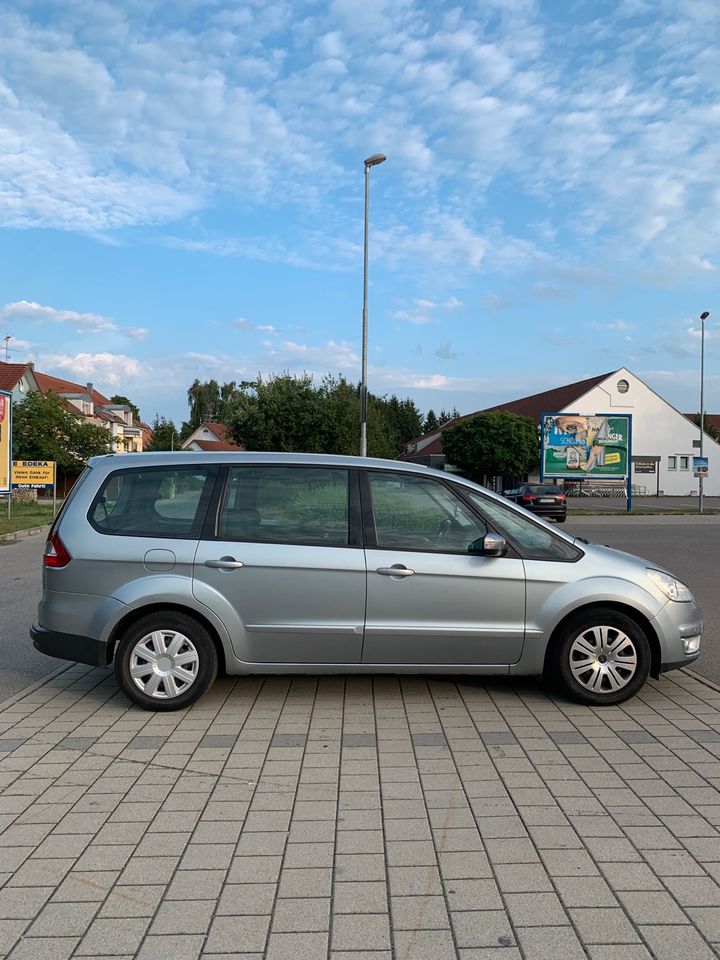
[671, 943]
[299, 946]
[109, 937]
[370, 896]
[34, 948]
[552, 943]
[424, 945]
[419, 913]
[482, 928]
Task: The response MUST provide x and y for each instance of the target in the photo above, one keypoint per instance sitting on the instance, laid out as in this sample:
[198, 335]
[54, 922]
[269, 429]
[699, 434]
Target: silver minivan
[174, 565]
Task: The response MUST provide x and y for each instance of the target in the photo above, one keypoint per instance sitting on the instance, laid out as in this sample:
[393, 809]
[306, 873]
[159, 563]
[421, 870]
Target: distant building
[661, 435]
[211, 436]
[128, 435]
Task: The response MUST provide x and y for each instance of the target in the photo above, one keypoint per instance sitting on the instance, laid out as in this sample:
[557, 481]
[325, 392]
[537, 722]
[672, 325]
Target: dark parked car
[545, 499]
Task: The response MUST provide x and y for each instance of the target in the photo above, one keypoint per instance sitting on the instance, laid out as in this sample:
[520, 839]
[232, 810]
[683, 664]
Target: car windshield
[544, 490]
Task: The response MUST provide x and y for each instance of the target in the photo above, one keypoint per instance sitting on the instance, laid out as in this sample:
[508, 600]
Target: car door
[283, 565]
[428, 599]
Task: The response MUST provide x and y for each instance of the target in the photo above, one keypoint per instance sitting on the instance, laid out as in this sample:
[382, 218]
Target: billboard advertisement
[577, 446]
[5, 440]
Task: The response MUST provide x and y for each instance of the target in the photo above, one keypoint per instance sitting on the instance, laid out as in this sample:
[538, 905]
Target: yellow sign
[5, 440]
[33, 474]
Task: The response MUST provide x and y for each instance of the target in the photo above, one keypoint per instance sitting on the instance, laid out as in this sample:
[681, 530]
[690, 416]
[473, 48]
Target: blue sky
[181, 193]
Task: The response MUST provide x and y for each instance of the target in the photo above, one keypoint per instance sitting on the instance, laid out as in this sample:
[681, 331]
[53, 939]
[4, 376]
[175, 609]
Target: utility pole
[6, 341]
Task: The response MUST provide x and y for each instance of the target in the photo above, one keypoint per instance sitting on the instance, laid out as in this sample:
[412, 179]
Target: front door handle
[225, 563]
[398, 570]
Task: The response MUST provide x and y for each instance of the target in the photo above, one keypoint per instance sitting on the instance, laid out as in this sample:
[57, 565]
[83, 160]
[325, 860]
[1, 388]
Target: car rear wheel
[165, 661]
[602, 657]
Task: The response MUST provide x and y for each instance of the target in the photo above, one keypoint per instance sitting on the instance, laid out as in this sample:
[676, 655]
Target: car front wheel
[165, 661]
[602, 657]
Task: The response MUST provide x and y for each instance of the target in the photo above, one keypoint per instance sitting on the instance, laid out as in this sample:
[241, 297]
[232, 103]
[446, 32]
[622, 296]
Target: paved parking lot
[356, 818]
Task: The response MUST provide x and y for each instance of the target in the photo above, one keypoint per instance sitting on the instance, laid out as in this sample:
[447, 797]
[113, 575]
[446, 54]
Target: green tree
[707, 427]
[431, 422]
[493, 445]
[445, 416]
[118, 398]
[44, 428]
[283, 413]
[164, 434]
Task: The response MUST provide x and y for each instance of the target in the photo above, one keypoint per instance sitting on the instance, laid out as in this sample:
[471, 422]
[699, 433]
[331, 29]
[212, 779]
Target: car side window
[153, 502]
[305, 505]
[418, 513]
[532, 539]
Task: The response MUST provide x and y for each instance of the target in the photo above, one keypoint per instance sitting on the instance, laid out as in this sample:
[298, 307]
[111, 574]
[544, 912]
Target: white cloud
[36, 313]
[103, 369]
[423, 311]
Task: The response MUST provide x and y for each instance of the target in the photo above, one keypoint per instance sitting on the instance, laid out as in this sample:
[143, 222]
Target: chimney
[89, 389]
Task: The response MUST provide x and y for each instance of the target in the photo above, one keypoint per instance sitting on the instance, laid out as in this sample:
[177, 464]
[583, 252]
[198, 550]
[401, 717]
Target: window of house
[684, 463]
[672, 463]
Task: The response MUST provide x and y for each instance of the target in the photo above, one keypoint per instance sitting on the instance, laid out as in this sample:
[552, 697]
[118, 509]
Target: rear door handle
[225, 563]
[396, 570]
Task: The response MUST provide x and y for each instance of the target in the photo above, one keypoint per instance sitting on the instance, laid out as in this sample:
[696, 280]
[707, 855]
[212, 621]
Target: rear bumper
[69, 646]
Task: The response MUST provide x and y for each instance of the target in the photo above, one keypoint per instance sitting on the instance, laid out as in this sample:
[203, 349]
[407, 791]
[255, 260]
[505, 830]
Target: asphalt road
[689, 546]
[20, 575]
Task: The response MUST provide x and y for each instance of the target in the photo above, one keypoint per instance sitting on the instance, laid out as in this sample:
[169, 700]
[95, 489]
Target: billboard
[33, 474]
[575, 446]
[5, 440]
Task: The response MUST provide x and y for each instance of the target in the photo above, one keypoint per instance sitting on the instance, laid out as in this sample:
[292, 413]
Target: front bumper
[69, 646]
[674, 623]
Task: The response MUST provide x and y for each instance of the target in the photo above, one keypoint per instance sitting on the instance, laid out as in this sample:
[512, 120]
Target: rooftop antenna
[7, 340]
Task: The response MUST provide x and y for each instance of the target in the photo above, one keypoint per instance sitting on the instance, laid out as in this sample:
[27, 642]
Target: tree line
[290, 413]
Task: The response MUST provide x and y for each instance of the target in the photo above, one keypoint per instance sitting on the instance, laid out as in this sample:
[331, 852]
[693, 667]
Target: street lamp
[372, 161]
[703, 318]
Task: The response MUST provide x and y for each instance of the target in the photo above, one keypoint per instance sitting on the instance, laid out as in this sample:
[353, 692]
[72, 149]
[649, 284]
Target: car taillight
[561, 496]
[527, 498]
[55, 554]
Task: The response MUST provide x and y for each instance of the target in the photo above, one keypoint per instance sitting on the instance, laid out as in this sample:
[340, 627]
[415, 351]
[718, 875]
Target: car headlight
[672, 588]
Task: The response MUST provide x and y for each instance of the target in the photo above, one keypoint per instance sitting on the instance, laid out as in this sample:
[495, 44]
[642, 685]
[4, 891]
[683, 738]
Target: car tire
[601, 657]
[561, 519]
[165, 661]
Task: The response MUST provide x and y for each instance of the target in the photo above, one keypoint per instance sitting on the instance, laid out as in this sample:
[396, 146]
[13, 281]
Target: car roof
[121, 461]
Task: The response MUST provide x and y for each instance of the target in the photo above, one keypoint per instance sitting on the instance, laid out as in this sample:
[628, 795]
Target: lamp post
[372, 161]
[703, 318]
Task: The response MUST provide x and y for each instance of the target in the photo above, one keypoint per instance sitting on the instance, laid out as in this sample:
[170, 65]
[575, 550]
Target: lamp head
[704, 315]
[375, 159]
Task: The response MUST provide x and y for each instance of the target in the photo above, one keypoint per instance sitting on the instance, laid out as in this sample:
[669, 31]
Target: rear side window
[304, 505]
[153, 502]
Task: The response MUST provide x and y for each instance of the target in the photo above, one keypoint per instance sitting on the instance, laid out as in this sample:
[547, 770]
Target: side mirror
[491, 545]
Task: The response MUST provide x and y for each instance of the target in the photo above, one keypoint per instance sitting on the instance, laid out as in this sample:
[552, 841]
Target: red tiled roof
[533, 406]
[47, 383]
[221, 430]
[549, 401]
[218, 446]
[10, 374]
[710, 418]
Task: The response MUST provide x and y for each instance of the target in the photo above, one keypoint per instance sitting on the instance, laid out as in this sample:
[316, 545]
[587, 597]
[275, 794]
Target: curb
[23, 534]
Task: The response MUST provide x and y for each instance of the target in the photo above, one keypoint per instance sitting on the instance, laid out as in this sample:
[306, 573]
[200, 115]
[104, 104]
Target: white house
[661, 435]
[211, 436]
